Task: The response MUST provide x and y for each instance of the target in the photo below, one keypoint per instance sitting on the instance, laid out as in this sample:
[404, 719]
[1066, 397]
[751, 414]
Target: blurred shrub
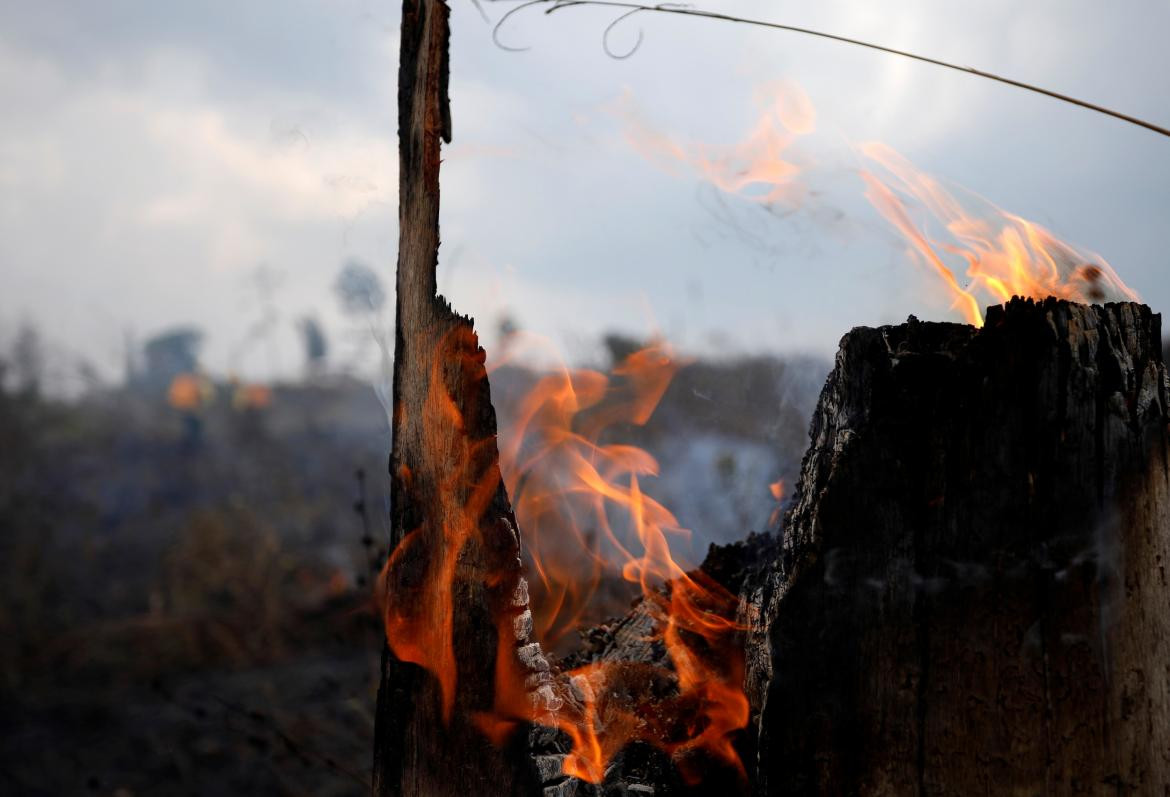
[225, 582]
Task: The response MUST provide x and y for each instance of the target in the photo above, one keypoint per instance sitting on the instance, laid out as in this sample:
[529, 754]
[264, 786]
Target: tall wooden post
[443, 462]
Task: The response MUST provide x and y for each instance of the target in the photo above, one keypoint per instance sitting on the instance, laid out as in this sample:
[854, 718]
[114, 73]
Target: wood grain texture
[443, 459]
[972, 596]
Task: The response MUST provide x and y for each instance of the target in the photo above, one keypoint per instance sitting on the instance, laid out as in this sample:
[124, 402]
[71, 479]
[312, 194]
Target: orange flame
[621, 702]
[776, 488]
[586, 523]
[418, 612]
[569, 489]
[565, 485]
[760, 166]
[1005, 255]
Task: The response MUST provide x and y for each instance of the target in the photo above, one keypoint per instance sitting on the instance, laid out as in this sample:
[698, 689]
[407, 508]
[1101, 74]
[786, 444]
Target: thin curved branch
[674, 8]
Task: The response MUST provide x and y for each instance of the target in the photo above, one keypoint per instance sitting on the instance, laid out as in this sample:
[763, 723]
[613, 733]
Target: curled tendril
[609, 30]
[610, 27]
[557, 5]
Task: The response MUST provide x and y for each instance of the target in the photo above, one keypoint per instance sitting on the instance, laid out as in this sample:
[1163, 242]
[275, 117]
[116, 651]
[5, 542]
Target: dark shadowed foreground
[184, 592]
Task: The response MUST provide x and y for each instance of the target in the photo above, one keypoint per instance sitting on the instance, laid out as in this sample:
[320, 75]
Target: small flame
[565, 485]
[776, 488]
[1005, 255]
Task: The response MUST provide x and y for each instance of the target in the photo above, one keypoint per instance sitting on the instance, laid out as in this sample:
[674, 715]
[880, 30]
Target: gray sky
[153, 155]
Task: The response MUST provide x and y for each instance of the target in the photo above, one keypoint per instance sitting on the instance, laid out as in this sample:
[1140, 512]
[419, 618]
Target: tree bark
[448, 503]
[971, 596]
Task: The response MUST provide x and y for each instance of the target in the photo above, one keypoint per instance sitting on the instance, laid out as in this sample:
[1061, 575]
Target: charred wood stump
[971, 595]
[454, 598]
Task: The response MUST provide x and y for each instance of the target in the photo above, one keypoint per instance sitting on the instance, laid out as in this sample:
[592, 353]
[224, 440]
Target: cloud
[160, 194]
[152, 154]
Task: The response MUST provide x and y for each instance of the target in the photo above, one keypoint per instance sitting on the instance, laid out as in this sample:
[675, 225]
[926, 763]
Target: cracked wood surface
[444, 453]
[971, 595]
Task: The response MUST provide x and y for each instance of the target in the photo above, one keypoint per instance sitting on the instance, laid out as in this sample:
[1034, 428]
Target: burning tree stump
[971, 595]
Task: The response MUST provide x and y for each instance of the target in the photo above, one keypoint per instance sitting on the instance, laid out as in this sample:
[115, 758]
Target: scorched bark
[971, 596]
[418, 751]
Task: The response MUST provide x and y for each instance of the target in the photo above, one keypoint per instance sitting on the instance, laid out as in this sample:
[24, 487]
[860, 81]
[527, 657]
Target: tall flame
[585, 519]
[565, 485]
